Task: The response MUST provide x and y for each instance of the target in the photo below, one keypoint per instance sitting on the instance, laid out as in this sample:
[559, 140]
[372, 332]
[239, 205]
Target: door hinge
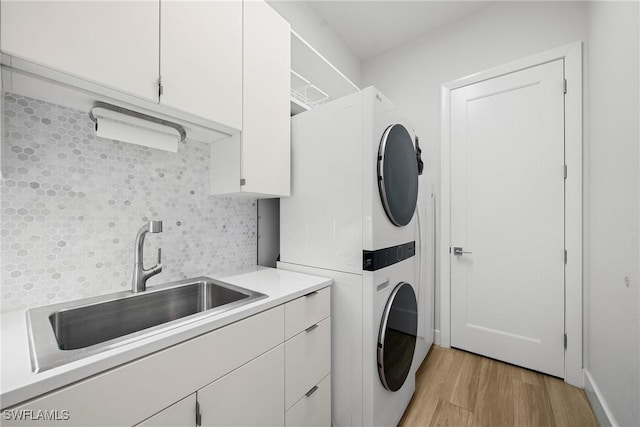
[198, 414]
[160, 87]
[565, 256]
[565, 171]
[243, 181]
[565, 341]
[564, 86]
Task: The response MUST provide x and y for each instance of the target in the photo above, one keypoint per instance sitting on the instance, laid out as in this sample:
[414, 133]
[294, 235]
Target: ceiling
[369, 28]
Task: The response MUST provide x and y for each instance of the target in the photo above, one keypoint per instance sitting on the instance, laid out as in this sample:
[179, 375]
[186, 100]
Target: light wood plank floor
[455, 388]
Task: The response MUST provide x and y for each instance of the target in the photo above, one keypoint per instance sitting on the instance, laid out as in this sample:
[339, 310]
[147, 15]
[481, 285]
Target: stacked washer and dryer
[352, 217]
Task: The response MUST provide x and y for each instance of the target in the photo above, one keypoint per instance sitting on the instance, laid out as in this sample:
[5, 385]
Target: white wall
[311, 27]
[612, 345]
[411, 75]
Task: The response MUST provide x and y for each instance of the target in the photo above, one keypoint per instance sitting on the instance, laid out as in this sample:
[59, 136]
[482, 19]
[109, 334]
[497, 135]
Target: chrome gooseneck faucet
[140, 275]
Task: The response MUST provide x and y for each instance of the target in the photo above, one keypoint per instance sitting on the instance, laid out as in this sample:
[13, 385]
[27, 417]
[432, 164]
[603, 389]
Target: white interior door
[507, 212]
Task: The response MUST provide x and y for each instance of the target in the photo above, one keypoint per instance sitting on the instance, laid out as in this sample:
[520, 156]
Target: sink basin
[87, 325]
[65, 332]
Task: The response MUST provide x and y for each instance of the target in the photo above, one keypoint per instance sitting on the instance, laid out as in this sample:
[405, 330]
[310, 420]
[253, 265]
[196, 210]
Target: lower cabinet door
[180, 414]
[314, 409]
[252, 395]
[308, 360]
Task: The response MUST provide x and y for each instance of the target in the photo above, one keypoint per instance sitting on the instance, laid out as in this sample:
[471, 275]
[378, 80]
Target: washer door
[398, 175]
[397, 337]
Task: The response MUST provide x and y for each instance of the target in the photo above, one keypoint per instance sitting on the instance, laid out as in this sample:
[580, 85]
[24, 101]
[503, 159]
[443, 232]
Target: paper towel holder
[138, 115]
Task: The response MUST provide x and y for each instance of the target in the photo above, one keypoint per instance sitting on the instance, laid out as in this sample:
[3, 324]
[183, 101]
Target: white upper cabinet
[257, 162]
[111, 43]
[266, 136]
[201, 58]
[225, 61]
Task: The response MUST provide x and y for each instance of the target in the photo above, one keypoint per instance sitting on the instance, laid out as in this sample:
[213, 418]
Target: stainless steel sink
[65, 332]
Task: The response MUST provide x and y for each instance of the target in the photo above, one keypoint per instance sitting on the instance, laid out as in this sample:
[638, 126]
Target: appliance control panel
[381, 258]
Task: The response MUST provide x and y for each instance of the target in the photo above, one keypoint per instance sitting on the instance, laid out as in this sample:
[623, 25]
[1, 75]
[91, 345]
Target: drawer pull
[311, 328]
[310, 294]
[310, 392]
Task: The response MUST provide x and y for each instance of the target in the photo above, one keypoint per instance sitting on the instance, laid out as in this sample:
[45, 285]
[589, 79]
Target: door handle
[457, 250]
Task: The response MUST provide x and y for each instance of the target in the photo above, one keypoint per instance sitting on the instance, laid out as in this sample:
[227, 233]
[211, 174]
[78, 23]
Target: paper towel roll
[121, 127]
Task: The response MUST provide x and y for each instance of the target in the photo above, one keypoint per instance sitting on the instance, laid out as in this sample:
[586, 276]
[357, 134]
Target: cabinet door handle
[310, 294]
[311, 328]
[310, 392]
[198, 415]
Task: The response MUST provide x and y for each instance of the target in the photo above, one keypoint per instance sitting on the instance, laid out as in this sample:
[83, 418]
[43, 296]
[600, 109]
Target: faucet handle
[159, 256]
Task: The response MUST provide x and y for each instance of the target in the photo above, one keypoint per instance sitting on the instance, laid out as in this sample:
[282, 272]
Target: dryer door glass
[398, 174]
[397, 337]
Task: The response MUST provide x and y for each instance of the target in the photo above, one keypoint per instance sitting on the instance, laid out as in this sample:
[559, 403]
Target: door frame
[572, 55]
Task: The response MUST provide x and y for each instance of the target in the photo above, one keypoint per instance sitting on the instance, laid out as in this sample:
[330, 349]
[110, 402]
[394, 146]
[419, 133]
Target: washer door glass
[398, 174]
[397, 337]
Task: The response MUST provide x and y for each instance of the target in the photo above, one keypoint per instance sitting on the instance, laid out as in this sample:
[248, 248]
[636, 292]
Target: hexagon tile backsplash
[72, 204]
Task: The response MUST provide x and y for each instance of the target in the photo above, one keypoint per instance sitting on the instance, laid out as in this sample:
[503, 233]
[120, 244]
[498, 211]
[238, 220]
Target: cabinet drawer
[312, 410]
[305, 311]
[307, 360]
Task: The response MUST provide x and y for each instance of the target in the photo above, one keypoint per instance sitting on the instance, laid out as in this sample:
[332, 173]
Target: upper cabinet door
[109, 42]
[266, 136]
[201, 58]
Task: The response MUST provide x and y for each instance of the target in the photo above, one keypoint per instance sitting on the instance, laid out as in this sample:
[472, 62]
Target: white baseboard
[598, 403]
[436, 336]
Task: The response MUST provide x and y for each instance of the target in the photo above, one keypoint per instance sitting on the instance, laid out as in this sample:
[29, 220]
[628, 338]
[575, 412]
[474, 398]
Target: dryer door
[398, 174]
[397, 337]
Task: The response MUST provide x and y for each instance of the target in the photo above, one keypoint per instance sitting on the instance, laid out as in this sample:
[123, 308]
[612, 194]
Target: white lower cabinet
[252, 395]
[314, 409]
[308, 360]
[180, 414]
[133, 392]
[306, 311]
[244, 374]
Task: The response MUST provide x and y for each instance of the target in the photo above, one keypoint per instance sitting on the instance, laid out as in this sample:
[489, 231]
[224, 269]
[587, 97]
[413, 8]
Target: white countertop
[18, 383]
